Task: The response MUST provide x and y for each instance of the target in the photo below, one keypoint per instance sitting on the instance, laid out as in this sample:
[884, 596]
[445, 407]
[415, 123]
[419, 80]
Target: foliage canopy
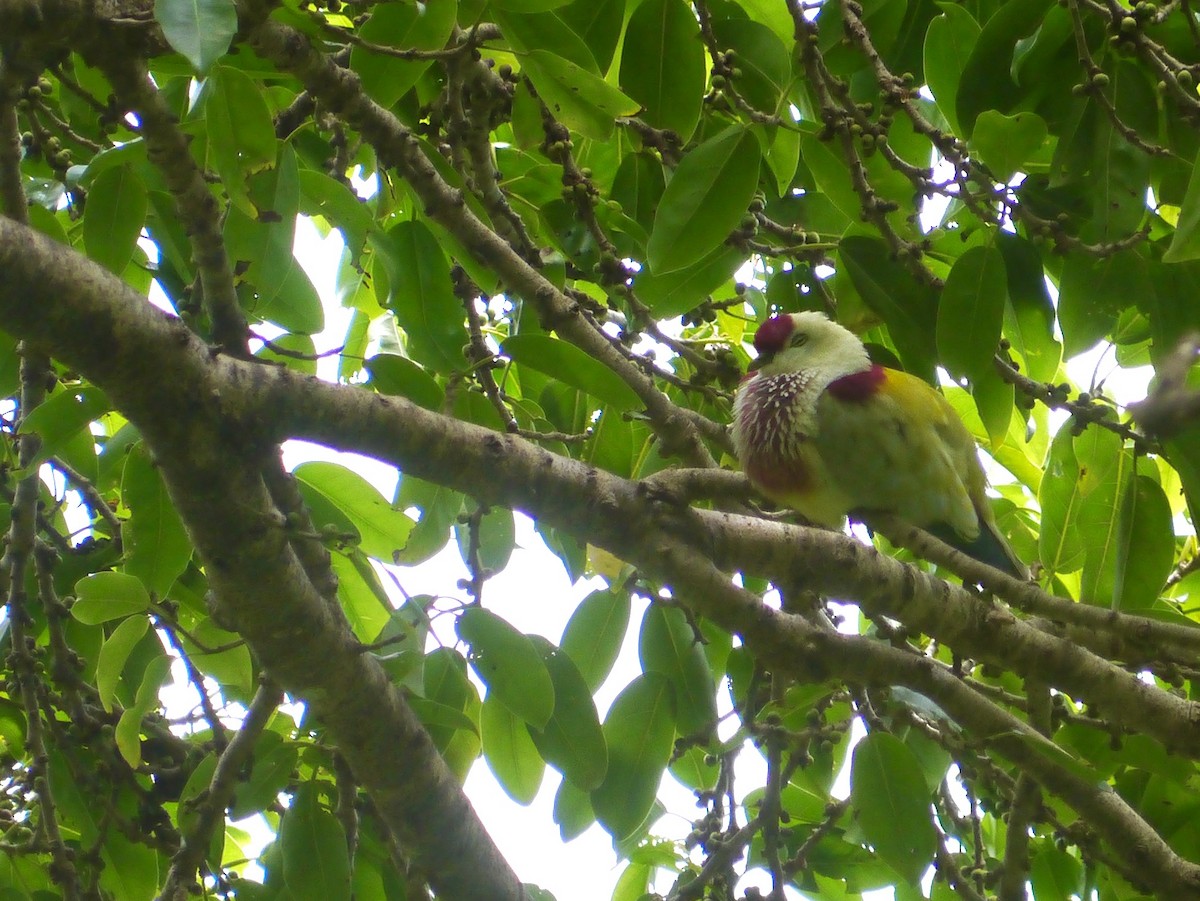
[562, 219]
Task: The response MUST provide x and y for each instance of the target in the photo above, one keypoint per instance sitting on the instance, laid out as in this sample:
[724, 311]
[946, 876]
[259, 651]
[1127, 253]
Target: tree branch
[195, 845]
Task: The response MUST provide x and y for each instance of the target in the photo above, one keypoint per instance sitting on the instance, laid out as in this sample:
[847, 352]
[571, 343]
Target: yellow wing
[896, 445]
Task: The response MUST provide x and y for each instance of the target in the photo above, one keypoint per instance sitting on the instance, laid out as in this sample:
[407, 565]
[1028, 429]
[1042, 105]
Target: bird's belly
[800, 481]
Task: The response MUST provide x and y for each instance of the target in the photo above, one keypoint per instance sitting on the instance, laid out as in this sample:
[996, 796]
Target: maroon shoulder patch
[858, 386]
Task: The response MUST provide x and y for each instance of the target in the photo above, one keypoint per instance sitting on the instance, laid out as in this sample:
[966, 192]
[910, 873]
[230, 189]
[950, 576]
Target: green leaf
[316, 865]
[105, 596]
[439, 509]
[241, 135]
[529, 6]
[1054, 873]
[573, 740]
[510, 752]
[262, 242]
[383, 529]
[667, 645]
[891, 804]
[1120, 173]
[572, 366]
[612, 444]
[579, 99]
[1091, 293]
[994, 399]
[907, 306]
[531, 31]
[986, 81]
[1029, 315]
[116, 212]
[633, 882]
[638, 186]
[157, 548]
[1146, 548]
[762, 57]
[401, 377]
[62, 416]
[1185, 242]
[464, 746]
[971, 313]
[131, 869]
[662, 65]
[640, 733]
[197, 785]
[674, 293]
[783, 156]
[14, 727]
[229, 666]
[407, 26]
[201, 30]
[509, 665]
[129, 726]
[774, 16]
[1105, 468]
[1060, 547]
[435, 715]
[599, 24]
[422, 297]
[75, 811]
[827, 167]
[572, 810]
[361, 595]
[296, 306]
[949, 41]
[497, 539]
[333, 201]
[705, 200]
[594, 634]
[1171, 320]
[114, 654]
[696, 769]
[1006, 143]
[274, 761]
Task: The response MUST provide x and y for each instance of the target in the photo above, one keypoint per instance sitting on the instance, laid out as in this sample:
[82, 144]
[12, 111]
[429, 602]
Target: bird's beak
[758, 362]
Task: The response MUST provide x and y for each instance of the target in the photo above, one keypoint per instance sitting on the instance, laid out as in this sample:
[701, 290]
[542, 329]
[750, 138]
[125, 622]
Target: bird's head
[808, 342]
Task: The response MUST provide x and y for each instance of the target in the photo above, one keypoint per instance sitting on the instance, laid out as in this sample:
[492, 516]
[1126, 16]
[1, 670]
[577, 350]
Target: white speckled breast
[773, 415]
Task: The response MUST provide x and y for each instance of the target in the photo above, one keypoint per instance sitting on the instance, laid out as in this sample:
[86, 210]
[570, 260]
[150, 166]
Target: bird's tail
[989, 547]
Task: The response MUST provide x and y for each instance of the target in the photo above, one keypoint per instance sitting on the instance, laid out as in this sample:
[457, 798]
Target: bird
[822, 430]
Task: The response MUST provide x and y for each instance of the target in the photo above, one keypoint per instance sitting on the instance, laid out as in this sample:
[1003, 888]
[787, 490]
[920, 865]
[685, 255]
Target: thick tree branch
[1117, 635]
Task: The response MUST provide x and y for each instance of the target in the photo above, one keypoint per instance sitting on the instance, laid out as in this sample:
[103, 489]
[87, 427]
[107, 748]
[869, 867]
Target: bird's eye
[799, 339]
